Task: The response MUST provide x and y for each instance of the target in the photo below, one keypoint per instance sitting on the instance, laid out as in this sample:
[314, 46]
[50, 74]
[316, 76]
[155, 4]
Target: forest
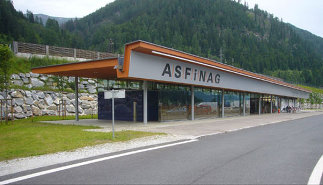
[223, 30]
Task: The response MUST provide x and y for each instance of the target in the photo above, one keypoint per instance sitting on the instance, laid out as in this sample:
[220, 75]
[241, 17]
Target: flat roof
[108, 68]
[100, 68]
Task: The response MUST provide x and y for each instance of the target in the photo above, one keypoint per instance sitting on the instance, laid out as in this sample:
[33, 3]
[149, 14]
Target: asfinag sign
[163, 69]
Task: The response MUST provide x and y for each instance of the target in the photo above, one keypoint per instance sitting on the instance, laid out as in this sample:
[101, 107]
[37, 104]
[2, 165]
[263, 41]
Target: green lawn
[313, 89]
[55, 118]
[25, 138]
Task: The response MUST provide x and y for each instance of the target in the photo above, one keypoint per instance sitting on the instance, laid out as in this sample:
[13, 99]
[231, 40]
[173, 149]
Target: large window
[265, 104]
[254, 103]
[275, 104]
[232, 105]
[206, 103]
[174, 102]
[247, 99]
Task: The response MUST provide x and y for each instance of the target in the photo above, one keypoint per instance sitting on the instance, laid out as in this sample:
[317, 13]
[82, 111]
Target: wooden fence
[38, 49]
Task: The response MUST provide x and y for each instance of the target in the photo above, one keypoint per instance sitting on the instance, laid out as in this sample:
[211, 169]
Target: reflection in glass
[174, 102]
[206, 103]
[254, 103]
[232, 105]
[247, 99]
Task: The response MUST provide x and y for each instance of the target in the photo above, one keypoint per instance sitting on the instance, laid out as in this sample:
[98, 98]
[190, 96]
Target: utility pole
[221, 55]
[110, 46]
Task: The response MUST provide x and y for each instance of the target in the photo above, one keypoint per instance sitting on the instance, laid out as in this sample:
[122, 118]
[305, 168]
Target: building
[163, 84]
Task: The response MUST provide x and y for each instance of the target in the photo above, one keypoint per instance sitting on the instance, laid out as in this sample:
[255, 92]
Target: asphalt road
[283, 153]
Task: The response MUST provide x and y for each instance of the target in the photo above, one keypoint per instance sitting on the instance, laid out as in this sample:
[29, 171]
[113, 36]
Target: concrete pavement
[197, 127]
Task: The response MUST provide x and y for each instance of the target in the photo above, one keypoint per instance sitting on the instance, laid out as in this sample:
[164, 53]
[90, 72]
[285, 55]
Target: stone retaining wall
[27, 103]
[37, 103]
[33, 80]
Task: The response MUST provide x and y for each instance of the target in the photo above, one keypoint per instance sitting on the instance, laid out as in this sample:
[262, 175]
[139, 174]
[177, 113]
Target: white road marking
[90, 162]
[316, 175]
[211, 134]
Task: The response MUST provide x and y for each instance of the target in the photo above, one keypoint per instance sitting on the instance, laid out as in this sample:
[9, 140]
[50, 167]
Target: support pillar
[192, 103]
[76, 98]
[244, 104]
[259, 107]
[145, 88]
[222, 104]
[279, 106]
[271, 104]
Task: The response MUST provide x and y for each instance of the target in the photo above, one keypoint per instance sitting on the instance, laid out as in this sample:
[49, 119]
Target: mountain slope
[44, 18]
[313, 39]
[248, 38]
[15, 26]
[223, 30]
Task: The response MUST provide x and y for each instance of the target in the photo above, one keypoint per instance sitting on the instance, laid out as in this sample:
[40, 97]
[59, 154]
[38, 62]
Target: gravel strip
[28, 163]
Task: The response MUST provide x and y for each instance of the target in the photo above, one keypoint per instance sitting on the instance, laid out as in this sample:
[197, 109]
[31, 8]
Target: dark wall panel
[123, 107]
[152, 105]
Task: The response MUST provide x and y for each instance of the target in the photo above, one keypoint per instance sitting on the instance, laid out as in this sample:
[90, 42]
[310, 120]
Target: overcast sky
[305, 14]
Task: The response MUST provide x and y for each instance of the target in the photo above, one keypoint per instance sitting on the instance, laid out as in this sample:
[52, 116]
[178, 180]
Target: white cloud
[305, 14]
[61, 8]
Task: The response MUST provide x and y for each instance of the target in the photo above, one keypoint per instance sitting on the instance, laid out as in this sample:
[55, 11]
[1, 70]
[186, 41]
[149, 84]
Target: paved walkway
[197, 127]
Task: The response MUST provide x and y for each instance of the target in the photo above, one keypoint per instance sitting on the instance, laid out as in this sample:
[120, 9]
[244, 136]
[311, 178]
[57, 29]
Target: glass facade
[174, 102]
[275, 104]
[232, 104]
[247, 99]
[207, 103]
[254, 103]
[265, 104]
[168, 102]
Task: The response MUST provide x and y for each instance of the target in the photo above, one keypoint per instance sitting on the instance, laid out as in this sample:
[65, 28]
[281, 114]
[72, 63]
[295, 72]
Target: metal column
[271, 104]
[244, 104]
[222, 103]
[192, 103]
[76, 98]
[145, 88]
[259, 107]
[113, 94]
[277, 104]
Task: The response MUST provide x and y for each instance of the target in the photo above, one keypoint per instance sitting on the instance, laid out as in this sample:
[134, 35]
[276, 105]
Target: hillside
[223, 30]
[248, 38]
[313, 39]
[44, 18]
[16, 26]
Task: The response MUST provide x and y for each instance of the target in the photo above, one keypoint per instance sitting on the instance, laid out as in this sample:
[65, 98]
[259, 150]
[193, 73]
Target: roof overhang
[102, 69]
[161, 51]
[112, 68]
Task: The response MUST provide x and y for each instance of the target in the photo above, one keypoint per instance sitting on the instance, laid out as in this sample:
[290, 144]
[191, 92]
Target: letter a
[167, 70]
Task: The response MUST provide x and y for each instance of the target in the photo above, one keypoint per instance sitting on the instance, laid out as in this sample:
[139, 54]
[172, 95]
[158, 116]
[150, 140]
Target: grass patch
[56, 118]
[25, 138]
[24, 65]
[313, 89]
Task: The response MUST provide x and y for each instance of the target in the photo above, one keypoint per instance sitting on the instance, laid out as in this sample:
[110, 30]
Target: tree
[5, 71]
[314, 98]
[52, 24]
[30, 16]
